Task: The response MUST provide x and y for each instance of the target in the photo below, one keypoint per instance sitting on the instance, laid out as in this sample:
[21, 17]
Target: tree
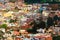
[34, 1]
[3, 26]
[12, 0]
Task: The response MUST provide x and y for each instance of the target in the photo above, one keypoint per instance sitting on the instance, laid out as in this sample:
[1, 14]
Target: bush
[11, 21]
[3, 26]
[29, 30]
[56, 38]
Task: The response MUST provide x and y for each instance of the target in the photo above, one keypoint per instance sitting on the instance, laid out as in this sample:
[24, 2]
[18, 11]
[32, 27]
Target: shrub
[3, 26]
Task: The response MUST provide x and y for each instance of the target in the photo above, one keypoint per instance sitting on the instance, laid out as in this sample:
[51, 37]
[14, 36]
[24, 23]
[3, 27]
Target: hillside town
[22, 21]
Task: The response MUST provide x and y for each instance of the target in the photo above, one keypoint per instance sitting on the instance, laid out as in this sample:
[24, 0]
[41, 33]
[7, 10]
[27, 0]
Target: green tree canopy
[3, 26]
[12, 0]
